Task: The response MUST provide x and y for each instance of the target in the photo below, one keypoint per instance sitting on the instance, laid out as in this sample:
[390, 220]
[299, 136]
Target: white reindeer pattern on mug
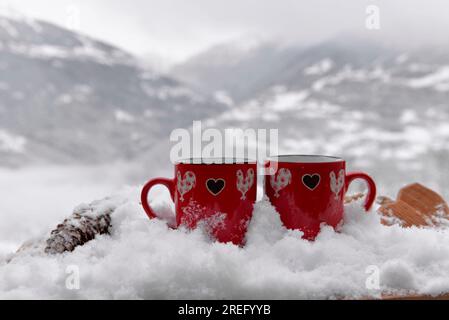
[244, 183]
[280, 180]
[185, 184]
[337, 183]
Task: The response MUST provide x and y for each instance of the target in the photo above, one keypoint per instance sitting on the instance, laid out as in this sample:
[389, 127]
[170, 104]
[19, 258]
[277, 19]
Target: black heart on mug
[311, 181]
[215, 186]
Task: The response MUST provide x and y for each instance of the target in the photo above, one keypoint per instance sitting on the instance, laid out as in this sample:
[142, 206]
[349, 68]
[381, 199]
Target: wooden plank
[422, 199]
[444, 296]
[407, 215]
[416, 205]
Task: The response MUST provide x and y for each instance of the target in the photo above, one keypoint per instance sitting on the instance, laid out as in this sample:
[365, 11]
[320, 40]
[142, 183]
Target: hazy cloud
[179, 28]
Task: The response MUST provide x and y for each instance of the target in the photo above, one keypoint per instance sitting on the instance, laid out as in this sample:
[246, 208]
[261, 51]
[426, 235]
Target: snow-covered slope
[67, 97]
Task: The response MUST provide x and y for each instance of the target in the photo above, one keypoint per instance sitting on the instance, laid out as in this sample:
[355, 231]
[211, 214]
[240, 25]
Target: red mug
[218, 194]
[308, 190]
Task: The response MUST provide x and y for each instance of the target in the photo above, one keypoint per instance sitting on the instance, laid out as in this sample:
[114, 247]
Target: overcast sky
[176, 29]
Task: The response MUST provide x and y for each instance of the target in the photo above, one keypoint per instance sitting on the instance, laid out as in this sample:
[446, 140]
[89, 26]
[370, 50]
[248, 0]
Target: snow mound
[144, 259]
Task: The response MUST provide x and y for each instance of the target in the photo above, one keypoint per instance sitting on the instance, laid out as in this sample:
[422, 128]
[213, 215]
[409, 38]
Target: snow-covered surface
[146, 259]
[36, 199]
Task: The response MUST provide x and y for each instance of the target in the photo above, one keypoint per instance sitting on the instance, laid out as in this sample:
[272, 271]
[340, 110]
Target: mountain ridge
[66, 97]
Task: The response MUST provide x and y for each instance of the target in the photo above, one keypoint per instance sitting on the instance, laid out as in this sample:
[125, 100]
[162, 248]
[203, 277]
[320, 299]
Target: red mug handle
[168, 183]
[351, 176]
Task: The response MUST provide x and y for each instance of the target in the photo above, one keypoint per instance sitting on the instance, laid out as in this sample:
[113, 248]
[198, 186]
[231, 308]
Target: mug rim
[302, 158]
[215, 161]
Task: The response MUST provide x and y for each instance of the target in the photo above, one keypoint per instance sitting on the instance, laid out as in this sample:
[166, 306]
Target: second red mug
[308, 190]
[217, 193]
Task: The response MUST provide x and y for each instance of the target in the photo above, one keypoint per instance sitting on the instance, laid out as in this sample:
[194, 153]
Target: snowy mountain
[246, 71]
[65, 97]
[383, 108]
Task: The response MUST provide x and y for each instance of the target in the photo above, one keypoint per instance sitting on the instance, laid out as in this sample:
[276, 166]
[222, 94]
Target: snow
[78, 93]
[12, 143]
[222, 96]
[167, 92]
[438, 80]
[86, 51]
[282, 101]
[288, 100]
[349, 74]
[408, 116]
[320, 67]
[144, 258]
[402, 58]
[40, 197]
[123, 116]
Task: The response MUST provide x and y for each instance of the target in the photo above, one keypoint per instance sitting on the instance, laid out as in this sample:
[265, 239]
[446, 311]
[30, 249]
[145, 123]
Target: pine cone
[82, 226]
